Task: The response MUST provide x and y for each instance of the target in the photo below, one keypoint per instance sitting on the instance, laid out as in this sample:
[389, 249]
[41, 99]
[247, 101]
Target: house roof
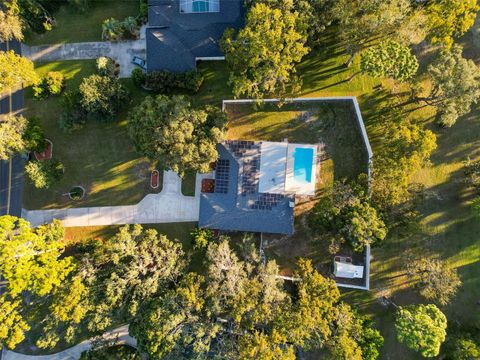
[240, 207]
[175, 39]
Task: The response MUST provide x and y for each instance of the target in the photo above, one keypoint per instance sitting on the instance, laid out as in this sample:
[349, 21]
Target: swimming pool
[302, 165]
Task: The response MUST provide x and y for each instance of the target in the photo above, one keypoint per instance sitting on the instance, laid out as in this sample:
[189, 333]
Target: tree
[450, 19]
[240, 309]
[463, 348]
[437, 281]
[180, 138]
[361, 20]
[131, 268]
[314, 15]
[51, 84]
[11, 26]
[15, 71]
[34, 136]
[455, 86]
[44, 174]
[12, 129]
[407, 147]
[201, 238]
[354, 336]
[30, 259]
[422, 328]
[12, 324]
[263, 55]
[102, 96]
[349, 214]
[389, 59]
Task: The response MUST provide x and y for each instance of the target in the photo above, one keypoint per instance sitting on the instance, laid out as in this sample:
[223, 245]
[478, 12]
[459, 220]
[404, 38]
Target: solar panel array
[222, 176]
[249, 176]
[267, 201]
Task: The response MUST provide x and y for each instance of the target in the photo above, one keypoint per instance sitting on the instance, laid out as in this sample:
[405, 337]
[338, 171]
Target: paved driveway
[121, 51]
[170, 205]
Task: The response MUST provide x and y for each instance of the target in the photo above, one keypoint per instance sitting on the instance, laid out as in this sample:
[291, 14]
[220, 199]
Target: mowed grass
[100, 157]
[73, 26]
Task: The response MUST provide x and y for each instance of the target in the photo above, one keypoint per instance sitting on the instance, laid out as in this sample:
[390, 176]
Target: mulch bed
[45, 155]
[154, 179]
[208, 185]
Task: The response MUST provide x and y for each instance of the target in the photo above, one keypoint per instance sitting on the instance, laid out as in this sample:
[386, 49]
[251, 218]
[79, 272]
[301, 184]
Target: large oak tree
[176, 135]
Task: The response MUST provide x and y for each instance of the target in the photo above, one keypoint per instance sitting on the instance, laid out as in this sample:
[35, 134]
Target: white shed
[347, 270]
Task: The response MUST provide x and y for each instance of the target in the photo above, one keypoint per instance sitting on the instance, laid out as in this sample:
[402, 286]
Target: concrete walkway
[121, 51]
[74, 352]
[170, 205]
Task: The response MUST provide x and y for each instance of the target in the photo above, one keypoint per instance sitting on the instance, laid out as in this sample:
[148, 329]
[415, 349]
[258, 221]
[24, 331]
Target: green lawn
[73, 26]
[100, 157]
[188, 184]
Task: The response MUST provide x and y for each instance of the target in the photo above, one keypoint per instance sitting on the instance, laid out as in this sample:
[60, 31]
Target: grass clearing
[100, 157]
[73, 26]
[188, 184]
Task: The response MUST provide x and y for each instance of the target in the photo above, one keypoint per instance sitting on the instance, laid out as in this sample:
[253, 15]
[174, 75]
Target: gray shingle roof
[233, 211]
[175, 39]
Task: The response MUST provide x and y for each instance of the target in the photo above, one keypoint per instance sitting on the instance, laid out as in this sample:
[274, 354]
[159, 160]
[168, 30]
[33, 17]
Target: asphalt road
[11, 171]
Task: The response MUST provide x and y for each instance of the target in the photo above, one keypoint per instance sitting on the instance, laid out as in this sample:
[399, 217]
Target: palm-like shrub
[112, 29]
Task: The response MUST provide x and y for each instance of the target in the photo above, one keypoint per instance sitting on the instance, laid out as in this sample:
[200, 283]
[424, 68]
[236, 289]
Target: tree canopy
[240, 309]
[179, 137]
[349, 214]
[12, 129]
[389, 59]
[262, 56]
[449, 19]
[30, 258]
[102, 96]
[455, 85]
[437, 281]
[407, 147]
[361, 20]
[15, 70]
[422, 328]
[11, 25]
[30, 262]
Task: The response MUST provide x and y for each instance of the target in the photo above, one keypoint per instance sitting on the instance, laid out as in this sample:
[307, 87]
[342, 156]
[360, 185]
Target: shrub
[73, 116]
[44, 174]
[165, 82]
[76, 193]
[105, 66]
[34, 136]
[138, 77]
[52, 84]
[102, 96]
[201, 238]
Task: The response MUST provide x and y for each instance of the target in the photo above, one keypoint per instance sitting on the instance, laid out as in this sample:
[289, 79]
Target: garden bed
[155, 179]
[46, 154]
[208, 185]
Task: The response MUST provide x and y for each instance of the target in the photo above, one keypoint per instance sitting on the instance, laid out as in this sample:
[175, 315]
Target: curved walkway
[74, 352]
[170, 205]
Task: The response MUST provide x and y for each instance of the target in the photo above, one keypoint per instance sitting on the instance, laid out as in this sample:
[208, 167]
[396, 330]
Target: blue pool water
[302, 165]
